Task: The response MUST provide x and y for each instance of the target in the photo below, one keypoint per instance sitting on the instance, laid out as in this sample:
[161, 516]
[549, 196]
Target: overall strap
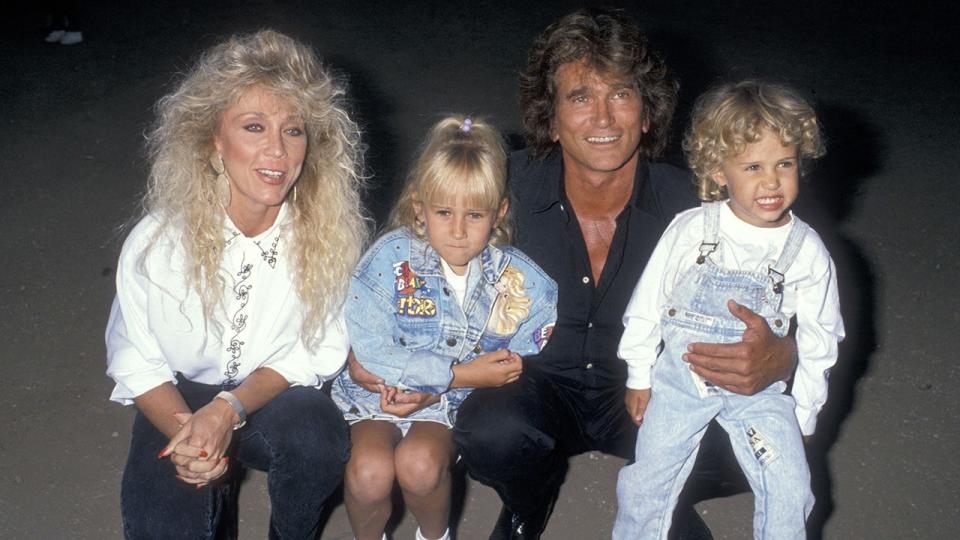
[711, 229]
[798, 231]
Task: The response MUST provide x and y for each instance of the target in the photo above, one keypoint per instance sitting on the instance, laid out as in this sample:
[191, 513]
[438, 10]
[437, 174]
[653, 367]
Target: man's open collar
[550, 190]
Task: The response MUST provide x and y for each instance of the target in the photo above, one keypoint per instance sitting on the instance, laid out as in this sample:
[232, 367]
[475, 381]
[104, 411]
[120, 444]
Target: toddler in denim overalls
[437, 306]
[745, 147]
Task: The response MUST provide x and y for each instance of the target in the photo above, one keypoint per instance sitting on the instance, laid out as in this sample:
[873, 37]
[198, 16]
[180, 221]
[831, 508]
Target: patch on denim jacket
[407, 285]
[542, 336]
[763, 451]
[407, 282]
[416, 306]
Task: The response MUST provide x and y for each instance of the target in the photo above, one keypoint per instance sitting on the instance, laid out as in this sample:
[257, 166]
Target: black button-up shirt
[583, 347]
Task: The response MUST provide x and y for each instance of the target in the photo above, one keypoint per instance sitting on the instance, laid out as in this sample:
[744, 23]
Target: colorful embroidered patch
[407, 281]
[416, 306]
[542, 336]
[762, 450]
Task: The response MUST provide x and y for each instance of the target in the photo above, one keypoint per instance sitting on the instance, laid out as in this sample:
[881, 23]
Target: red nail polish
[226, 459]
[203, 453]
[161, 455]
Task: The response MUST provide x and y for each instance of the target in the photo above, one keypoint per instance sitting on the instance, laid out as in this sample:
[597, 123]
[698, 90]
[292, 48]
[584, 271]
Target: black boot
[512, 526]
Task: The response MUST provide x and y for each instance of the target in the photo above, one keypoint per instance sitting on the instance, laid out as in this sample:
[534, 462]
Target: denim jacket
[406, 326]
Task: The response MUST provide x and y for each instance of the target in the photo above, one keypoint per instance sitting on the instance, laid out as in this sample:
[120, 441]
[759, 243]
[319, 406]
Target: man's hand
[366, 380]
[636, 402]
[751, 365]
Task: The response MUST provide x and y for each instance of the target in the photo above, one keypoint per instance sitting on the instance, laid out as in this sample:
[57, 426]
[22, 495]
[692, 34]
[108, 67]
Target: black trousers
[518, 439]
[299, 438]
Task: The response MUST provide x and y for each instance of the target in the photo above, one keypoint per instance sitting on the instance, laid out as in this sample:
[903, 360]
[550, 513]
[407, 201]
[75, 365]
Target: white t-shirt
[810, 292]
[457, 283]
[157, 329]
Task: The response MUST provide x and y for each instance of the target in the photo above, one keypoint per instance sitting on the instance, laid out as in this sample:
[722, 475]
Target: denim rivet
[451, 342]
[446, 291]
[403, 340]
[354, 410]
[477, 349]
[672, 312]
[778, 323]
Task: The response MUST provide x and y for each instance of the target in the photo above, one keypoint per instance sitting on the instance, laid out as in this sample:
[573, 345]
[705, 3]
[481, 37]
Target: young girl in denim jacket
[438, 306]
[743, 246]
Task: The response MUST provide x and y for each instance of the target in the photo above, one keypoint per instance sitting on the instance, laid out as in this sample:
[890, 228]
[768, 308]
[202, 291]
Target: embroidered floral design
[269, 255]
[233, 236]
[238, 323]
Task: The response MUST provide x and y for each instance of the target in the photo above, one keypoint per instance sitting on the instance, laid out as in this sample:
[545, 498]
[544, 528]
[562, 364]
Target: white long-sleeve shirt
[810, 293]
[157, 329]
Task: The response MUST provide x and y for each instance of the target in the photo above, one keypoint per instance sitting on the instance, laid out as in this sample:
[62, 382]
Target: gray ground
[883, 76]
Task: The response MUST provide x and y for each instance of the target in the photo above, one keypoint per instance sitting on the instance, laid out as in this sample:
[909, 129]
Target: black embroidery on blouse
[270, 255]
[238, 323]
[234, 235]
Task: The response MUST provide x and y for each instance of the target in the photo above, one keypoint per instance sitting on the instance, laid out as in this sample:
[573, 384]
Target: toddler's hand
[490, 369]
[636, 402]
[361, 376]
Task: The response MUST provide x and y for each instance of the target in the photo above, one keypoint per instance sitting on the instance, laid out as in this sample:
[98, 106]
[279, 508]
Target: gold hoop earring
[295, 193]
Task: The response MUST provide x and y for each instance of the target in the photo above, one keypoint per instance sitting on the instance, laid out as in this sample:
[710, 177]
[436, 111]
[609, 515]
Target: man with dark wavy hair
[590, 206]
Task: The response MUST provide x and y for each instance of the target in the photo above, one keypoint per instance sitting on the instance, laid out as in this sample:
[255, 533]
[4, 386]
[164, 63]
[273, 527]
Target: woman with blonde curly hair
[437, 306]
[230, 292]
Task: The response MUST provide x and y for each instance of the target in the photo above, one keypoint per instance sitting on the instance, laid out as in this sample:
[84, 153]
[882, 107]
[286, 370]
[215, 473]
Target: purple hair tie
[466, 125]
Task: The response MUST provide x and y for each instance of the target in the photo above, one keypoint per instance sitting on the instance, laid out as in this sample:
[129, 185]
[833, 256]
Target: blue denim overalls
[406, 326]
[763, 428]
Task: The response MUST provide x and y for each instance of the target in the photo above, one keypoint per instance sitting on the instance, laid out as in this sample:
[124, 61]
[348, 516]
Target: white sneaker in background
[55, 36]
[71, 38]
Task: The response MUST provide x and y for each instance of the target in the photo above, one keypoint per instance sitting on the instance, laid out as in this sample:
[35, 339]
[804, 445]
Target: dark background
[882, 75]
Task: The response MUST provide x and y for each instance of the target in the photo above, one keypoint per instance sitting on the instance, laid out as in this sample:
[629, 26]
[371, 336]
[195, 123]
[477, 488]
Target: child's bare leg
[369, 477]
[423, 471]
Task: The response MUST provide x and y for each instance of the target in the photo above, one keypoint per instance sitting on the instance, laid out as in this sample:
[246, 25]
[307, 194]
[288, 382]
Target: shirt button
[477, 349]
[451, 342]
[589, 366]
[586, 279]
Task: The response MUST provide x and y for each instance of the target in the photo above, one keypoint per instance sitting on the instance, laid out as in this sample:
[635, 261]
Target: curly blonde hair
[729, 117]
[330, 228]
[512, 305]
[454, 160]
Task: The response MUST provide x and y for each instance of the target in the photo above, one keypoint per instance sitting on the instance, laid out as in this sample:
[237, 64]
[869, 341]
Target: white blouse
[157, 329]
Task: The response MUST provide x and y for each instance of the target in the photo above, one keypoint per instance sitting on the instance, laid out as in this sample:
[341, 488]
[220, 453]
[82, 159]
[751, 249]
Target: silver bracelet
[237, 407]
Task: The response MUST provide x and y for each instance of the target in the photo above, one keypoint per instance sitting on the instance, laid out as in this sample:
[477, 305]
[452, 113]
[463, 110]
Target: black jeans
[299, 438]
[518, 438]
